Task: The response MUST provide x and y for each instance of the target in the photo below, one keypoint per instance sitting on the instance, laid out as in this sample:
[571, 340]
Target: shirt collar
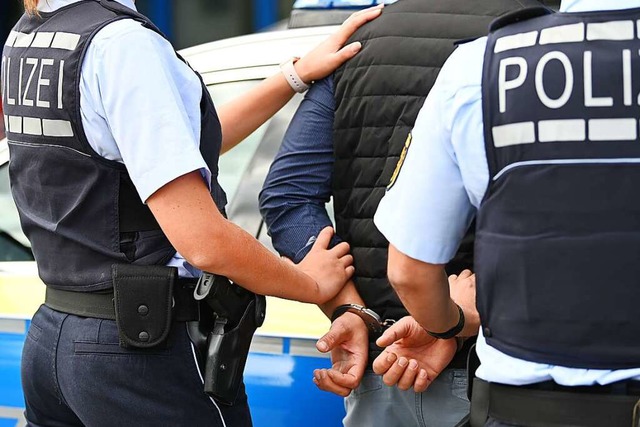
[53, 5]
[591, 5]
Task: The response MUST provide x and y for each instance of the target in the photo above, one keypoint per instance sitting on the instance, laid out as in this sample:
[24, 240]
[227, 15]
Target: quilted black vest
[378, 96]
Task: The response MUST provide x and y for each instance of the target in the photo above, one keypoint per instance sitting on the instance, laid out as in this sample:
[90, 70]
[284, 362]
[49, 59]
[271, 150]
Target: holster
[229, 318]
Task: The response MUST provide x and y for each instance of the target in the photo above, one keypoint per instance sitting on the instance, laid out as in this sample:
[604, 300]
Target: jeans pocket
[459, 384]
[370, 382]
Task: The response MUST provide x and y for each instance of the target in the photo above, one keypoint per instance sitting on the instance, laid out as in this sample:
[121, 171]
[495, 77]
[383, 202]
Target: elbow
[401, 279]
[204, 253]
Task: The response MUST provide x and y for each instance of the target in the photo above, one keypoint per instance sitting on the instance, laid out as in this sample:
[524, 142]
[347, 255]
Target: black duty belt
[537, 407]
[100, 304]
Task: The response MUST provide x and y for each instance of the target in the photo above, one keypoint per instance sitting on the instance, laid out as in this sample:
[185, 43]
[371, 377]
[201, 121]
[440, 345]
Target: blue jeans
[74, 373]
[443, 404]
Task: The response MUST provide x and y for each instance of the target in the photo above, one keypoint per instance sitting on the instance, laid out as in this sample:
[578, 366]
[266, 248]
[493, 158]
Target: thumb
[397, 331]
[324, 238]
[329, 340]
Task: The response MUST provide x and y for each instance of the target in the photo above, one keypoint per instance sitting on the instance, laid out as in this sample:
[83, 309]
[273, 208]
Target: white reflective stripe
[515, 41]
[613, 129]
[32, 145]
[563, 34]
[11, 39]
[565, 162]
[59, 128]
[23, 40]
[68, 41]
[270, 345]
[513, 134]
[305, 348]
[13, 326]
[614, 30]
[638, 24]
[43, 40]
[562, 130]
[31, 126]
[15, 124]
[14, 414]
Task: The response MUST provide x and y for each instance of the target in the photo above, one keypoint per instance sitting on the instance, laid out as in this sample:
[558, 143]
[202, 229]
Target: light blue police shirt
[442, 182]
[140, 106]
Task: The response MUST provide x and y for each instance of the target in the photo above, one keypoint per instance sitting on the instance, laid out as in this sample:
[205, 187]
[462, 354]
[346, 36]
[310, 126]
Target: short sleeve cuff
[417, 245]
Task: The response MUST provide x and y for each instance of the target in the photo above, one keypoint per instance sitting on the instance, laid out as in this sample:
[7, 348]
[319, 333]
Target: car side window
[233, 163]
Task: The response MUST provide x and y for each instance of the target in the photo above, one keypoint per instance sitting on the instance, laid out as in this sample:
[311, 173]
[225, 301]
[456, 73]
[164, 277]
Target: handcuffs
[374, 323]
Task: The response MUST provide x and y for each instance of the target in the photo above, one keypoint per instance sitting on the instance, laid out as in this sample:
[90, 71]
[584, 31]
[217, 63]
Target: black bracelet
[453, 331]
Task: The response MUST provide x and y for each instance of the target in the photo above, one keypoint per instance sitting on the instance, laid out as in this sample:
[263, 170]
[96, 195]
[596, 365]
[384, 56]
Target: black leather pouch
[143, 298]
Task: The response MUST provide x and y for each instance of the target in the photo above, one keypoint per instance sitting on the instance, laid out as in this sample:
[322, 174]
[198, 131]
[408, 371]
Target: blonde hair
[30, 6]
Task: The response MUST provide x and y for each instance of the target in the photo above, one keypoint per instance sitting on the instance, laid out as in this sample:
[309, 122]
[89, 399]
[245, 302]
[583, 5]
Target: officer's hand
[413, 358]
[462, 289]
[330, 54]
[348, 341]
[330, 268]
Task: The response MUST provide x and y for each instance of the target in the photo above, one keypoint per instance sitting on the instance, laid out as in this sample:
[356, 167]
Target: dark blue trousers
[74, 373]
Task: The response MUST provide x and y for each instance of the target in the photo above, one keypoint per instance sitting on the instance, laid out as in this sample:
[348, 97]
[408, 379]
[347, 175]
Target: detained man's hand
[330, 268]
[412, 357]
[348, 341]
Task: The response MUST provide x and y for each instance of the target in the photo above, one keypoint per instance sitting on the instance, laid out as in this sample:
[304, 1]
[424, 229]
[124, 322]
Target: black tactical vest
[378, 96]
[80, 211]
[558, 236]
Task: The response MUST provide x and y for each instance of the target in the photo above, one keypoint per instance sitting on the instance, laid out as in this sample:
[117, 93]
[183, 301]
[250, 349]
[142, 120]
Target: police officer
[103, 116]
[535, 131]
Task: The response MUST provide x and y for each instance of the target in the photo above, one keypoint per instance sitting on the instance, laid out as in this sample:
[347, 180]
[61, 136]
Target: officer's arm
[240, 117]
[424, 291]
[190, 219]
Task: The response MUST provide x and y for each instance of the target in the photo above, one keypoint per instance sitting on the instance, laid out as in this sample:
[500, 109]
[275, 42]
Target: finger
[347, 52]
[395, 372]
[408, 376]
[422, 382]
[324, 238]
[453, 277]
[341, 249]
[329, 340]
[346, 260]
[343, 380]
[383, 362]
[398, 330]
[349, 271]
[324, 382]
[465, 273]
[356, 20]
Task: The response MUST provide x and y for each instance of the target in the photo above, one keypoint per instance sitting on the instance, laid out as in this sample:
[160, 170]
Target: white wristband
[292, 77]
